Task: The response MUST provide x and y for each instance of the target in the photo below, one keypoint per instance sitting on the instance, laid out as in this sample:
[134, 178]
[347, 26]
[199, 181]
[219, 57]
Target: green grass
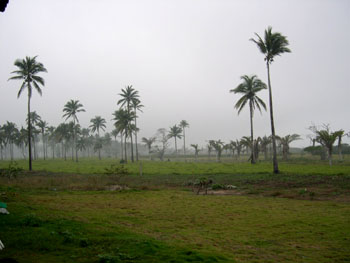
[95, 166]
[62, 213]
[172, 226]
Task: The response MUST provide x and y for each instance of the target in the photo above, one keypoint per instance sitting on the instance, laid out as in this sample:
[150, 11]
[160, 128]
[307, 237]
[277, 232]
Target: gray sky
[183, 56]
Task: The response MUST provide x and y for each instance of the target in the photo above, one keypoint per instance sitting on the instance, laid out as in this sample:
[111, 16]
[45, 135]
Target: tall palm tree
[273, 44]
[137, 106]
[249, 88]
[175, 132]
[129, 94]
[184, 124]
[71, 108]
[97, 124]
[123, 124]
[28, 70]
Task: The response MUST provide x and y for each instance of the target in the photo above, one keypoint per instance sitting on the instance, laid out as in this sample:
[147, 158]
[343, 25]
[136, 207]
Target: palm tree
[218, 146]
[115, 133]
[184, 124]
[196, 150]
[264, 142]
[52, 139]
[42, 126]
[149, 143]
[285, 141]
[123, 124]
[340, 136]
[327, 139]
[10, 133]
[239, 147]
[97, 124]
[28, 70]
[209, 149]
[136, 104]
[273, 44]
[129, 94]
[249, 88]
[71, 108]
[175, 132]
[62, 135]
[248, 143]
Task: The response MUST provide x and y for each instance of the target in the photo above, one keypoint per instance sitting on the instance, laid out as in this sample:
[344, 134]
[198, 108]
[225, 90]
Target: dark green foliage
[217, 187]
[116, 170]
[32, 220]
[316, 150]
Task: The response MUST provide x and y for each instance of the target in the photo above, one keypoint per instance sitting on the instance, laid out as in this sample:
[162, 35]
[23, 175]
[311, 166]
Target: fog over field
[183, 56]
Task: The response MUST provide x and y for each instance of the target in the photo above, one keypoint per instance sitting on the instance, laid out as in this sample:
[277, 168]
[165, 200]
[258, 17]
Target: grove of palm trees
[137, 168]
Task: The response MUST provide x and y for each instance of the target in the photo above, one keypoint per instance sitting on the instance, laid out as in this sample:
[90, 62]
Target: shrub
[117, 171]
[12, 171]
[217, 187]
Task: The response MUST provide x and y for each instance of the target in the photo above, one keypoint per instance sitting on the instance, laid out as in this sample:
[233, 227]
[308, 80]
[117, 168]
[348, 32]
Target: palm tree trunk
[75, 142]
[132, 144]
[330, 157]
[137, 152]
[132, 147]
[184, 141]
[275, 163]
[340, 149]
[126, 157]
[121, 145]
[252, 160]
[175, 147]
[29, 132]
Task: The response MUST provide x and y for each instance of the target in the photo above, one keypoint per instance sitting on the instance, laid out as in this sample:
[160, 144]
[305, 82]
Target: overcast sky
[183, 56]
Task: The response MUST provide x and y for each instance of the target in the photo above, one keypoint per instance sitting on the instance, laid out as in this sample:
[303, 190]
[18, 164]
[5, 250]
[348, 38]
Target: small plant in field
[32, 220]
[203, 183]
[218, 187]
[12, 171]
[117, 171]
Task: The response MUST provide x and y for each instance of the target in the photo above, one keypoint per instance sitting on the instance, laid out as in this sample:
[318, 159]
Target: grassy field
[95, 166]
[65, 212]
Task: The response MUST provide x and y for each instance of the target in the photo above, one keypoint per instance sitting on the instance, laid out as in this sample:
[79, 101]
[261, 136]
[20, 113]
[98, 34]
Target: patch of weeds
[303, 191]
[217, 187]
[68, 237]
[117, 171]
[12, 171]
[32, 220]
[83, 242]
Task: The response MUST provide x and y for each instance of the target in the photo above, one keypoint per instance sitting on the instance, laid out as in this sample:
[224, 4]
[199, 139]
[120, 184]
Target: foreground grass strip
[155, 226]
[36, 233]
